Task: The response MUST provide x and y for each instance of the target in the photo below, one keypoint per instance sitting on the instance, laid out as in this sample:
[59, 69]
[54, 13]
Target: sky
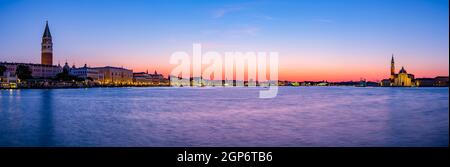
[333, 40]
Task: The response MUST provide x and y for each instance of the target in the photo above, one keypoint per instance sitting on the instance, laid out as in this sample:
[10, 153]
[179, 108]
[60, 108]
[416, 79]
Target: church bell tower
[47, 47]
[392, 67]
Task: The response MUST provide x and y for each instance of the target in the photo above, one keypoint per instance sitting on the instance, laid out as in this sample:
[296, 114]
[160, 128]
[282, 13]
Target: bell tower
[392, 67]
[47, 47]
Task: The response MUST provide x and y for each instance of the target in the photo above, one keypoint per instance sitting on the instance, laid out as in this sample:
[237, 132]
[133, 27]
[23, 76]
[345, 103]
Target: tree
[2, 69]
[23, 72]
[65, 76]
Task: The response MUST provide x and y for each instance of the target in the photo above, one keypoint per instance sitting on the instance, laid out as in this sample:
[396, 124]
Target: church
[402, 78]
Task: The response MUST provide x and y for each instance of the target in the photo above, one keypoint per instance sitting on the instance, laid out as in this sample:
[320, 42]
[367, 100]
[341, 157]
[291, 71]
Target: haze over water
[298, 116]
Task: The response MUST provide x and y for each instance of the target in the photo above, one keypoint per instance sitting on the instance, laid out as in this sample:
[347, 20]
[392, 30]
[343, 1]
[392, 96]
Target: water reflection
[46, 126]
[299, 116]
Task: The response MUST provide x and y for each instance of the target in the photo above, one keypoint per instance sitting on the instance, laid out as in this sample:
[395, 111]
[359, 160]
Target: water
[298, 116]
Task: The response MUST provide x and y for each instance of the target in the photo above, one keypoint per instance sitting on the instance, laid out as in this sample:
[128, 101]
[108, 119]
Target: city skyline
[337, 46]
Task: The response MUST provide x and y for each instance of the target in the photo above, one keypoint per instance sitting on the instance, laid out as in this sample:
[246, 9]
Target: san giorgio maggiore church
[402, 78]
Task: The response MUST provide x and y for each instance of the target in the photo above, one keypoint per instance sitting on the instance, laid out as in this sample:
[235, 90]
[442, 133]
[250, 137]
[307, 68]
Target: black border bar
[288, 156]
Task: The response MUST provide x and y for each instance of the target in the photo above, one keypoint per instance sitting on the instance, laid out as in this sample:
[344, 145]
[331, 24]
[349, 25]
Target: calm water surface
[298, 116]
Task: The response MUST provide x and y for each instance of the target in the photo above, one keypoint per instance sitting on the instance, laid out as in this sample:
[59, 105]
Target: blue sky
[316, 39]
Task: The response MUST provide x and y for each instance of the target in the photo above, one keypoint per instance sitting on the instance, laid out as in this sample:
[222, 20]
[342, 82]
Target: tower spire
[47, 31]
[47, 47]
[392, 67]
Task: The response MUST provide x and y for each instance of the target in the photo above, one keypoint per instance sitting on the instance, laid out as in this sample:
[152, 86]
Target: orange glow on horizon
[311, 68]
[330, 75]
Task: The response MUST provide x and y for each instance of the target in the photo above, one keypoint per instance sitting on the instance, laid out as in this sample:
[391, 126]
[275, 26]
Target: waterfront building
[322, 84]
[402, 78]
[7, 80]
[87, 73]
[157, 78]
[281, 83]
[441, 81]
[196, 81]
[115, 75]
[144, 78]
[6, 77]
[178, 81]
[424, 82]
[385, 82]
[38, 71]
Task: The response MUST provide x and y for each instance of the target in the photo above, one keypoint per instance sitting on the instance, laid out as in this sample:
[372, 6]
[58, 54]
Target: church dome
[66, 66]
[402, 71]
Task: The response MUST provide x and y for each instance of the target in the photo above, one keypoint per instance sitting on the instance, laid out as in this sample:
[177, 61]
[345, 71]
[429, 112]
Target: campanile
[47, 47]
